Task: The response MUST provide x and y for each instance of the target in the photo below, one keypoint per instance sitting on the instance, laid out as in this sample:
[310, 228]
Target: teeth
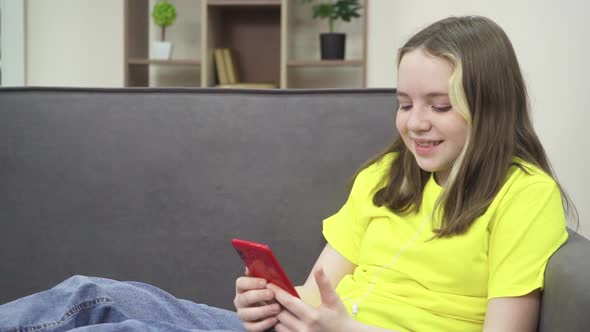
[427, 143]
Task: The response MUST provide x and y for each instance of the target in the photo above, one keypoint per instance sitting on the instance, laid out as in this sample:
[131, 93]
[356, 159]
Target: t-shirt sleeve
[344, 230]
[529, 227]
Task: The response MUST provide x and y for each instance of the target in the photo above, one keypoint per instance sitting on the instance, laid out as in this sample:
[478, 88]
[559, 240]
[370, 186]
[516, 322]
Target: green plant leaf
[344, 10]
[323, 10]
[164, 14]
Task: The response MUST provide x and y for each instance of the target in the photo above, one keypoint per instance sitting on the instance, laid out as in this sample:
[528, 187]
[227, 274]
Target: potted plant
[332, 44]
[164, 15]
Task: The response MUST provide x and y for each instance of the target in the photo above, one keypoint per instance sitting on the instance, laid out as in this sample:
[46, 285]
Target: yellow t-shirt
[444, 284]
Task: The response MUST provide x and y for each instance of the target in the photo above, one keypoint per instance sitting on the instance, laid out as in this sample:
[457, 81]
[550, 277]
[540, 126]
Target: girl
[450, 229]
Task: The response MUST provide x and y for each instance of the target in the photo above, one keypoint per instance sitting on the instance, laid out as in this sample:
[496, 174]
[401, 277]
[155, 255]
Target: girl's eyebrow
[437, 94]
[429, 95]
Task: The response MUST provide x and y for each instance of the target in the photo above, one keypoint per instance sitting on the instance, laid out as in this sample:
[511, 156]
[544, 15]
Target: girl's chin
[431, 167]
[428, 165]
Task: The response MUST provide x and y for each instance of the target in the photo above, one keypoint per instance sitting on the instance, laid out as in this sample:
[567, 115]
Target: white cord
[355, 309]
[355, 305]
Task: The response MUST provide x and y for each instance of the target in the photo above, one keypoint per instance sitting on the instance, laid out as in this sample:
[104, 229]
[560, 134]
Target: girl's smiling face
[426, 121]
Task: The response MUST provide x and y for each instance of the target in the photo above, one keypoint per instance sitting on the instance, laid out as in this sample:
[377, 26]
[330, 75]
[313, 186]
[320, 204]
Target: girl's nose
[419, 120]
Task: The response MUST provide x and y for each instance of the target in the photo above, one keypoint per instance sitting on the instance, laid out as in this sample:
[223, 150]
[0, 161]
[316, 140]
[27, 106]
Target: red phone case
[262, 263]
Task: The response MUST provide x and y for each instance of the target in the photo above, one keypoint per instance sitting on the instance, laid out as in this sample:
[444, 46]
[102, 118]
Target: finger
[290, 321]
[297, 307]
[280, 327]
[253, 298]
[259, 313]
[261, 326]
[244, 284]
[327, 292]
[267, 302]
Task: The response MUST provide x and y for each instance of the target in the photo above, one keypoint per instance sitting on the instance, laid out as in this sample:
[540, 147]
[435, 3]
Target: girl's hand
[298, 316]
[255, 304]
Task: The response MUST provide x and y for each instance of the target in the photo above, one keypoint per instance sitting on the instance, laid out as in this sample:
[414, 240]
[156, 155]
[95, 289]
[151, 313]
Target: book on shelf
[228, 75]
[230, 66]
[220, 66]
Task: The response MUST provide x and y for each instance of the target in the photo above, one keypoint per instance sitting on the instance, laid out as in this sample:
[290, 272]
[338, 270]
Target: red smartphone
[262, 263]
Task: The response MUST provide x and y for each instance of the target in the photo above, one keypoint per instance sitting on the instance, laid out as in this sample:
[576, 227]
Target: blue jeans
[96, 304]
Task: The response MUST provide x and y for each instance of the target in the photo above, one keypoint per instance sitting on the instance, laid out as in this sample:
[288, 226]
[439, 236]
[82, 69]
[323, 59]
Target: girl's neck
[441, 177]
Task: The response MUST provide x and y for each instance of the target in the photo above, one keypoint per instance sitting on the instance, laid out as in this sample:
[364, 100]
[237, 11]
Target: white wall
[12, 42]
[74, 42]
[551, 41]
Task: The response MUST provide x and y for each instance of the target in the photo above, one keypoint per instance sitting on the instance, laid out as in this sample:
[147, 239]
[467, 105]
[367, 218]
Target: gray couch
[151, 185]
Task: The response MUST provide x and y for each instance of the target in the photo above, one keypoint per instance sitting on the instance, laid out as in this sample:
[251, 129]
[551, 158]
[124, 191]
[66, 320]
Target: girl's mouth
[423, 147]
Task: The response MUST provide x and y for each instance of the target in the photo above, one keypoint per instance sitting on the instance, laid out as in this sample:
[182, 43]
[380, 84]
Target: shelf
[253, 34]
[173, 62]
[325, 63]
[244, 2]
[272, 41]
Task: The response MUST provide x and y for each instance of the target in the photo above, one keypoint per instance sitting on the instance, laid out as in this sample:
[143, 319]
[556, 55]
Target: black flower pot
[332, 46]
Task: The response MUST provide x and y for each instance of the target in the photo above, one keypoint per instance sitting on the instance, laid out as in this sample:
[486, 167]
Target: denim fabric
[96, 304]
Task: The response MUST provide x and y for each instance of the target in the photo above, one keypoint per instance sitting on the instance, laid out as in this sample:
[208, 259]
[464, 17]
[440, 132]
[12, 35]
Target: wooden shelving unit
[178, 62]
[274, 41]
[252, 29]
[244, 3]
[325, 63]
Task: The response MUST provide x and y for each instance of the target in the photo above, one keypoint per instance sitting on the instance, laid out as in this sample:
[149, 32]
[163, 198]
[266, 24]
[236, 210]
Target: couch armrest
[566, 296]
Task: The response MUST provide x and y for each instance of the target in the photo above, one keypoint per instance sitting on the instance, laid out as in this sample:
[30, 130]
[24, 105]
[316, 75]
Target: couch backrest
[151, 185]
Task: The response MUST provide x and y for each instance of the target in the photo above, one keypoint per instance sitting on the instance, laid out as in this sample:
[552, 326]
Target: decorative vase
[332, 46]
[161, 50]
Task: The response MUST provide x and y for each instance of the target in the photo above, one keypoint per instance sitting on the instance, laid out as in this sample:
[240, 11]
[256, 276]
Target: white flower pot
[161, 50]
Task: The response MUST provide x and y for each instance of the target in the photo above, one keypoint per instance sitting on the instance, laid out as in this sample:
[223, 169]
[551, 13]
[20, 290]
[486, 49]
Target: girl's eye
[442, 108]
[405, 107]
